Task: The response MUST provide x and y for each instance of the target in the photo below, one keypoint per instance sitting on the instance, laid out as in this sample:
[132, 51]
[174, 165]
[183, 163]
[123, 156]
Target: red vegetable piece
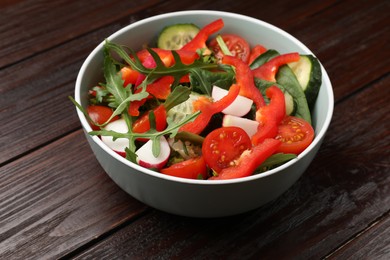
[249, 161]
[244, 78]
[199, 41]
[190, 169]
[223, 146]
[270, 116]
[295, 133]
[256, 52]
[208, 109]
[268, 70]
[237, 45]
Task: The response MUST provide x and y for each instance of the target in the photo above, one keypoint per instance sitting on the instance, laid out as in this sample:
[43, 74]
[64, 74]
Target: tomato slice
[190, 169]
[249, 161]
[223, 146]
[295, 133]
[99, 115]
[237, 45]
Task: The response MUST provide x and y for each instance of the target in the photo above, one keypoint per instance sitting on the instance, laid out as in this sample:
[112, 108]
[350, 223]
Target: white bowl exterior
[202, 198]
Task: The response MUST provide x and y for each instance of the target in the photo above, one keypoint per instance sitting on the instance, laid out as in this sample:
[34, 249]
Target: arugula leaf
[171, 130]
[177, 70]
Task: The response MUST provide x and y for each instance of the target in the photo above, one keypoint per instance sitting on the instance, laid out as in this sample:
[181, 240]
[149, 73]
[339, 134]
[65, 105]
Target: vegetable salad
[201, 106]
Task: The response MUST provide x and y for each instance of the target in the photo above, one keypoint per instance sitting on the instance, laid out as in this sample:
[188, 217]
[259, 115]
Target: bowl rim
[318, 137]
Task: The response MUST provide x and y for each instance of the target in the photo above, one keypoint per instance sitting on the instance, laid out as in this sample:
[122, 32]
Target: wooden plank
[34, 105]
[344, 190]
[373, 243]
[58, 198]
[40, 25]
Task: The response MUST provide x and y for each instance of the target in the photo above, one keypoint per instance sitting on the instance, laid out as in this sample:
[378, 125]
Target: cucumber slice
[175, 36]
[309, 75]
[179, 112]
[290, 104]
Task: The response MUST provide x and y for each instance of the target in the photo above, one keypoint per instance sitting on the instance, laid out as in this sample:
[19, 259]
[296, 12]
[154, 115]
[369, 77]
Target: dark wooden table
[57, 202]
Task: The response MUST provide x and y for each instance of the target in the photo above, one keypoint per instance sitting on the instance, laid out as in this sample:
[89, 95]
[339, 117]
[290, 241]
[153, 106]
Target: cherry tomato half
[190, 169]
[100, 115]
[237, 45]
[295, 133]
[224, 145]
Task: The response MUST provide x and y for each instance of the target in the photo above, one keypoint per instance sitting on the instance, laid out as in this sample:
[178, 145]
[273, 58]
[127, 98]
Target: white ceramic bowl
[202, 198]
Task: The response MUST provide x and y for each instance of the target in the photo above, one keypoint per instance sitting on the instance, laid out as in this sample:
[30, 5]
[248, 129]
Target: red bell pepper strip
[208, 109]
[244, 78]
[190, 169]
[256, 52]
[199, 41]
[166, 56]
[268, 70]
[270, 116]
[129, 75]
[142, 124]
[249, 161]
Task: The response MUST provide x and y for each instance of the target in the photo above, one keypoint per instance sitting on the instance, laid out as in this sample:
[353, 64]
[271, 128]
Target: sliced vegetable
[295, 134]
[100, 115]
[263, 58]
[256, 52]
[249, 126]
[194, 168]
[174, 37]
[244, 78]
[239, 107]
[268, 70]
[147, 159]
[309, 75]
[199, 41]
[249, 161]
[208, 109]
[129, 75]
[119, 145]
[142, 124]
[287, 79]
[237, 46]
[180, 111]
[223, 146]
[291, 103]
[270, 116]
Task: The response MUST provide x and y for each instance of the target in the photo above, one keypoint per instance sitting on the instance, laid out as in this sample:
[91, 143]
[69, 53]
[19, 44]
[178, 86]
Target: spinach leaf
[263, 58]
[288, 80]
[202, 81]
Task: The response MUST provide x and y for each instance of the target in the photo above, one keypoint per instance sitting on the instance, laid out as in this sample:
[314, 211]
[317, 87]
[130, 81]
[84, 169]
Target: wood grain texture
[56, 201]
[371, 244]
[41, 25]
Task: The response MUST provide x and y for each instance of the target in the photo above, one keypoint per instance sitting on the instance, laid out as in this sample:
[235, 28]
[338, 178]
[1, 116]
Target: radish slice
[120, 144]
[249, 126]
[240, 106]
[146, 158]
